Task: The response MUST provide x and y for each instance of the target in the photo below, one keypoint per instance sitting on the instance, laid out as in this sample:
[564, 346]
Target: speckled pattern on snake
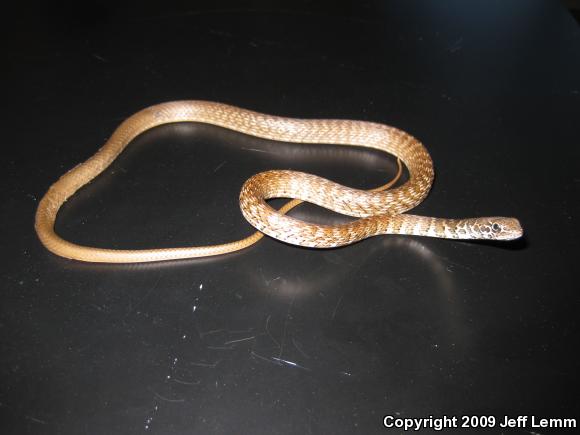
[378, 211]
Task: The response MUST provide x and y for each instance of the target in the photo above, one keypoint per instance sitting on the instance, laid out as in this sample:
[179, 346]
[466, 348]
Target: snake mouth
[509, 229]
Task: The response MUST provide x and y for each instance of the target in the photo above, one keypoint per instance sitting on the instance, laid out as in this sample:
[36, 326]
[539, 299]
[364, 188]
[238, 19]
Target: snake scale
[378, 211]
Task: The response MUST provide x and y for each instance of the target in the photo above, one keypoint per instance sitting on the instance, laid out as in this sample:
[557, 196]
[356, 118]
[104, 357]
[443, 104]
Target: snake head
[497, 228]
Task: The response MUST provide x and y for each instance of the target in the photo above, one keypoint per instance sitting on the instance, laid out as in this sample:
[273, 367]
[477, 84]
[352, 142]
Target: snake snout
[506, 228]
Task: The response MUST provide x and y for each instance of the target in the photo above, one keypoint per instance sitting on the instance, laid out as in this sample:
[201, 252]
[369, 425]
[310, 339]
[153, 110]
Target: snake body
[379, 211]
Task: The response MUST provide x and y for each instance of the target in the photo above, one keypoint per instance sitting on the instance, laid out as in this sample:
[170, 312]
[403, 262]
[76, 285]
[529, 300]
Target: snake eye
[495, 227]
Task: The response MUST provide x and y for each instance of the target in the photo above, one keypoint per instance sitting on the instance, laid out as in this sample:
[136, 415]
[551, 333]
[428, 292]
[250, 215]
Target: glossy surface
[279, 339]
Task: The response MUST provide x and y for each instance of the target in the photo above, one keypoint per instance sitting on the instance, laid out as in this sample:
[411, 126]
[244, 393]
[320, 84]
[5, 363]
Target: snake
[378, 211]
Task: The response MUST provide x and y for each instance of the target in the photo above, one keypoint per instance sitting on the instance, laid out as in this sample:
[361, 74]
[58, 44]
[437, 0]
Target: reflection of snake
[379, 211]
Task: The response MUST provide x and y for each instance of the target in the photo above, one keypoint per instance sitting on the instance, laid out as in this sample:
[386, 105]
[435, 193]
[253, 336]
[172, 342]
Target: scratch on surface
[220, 347]
[182, 382]
[268, 331]
[290, 363]
[132, 308]
[258, 151]
[454, 263]
[263, 358]
[208, 365]
[36, 420]
[99, 57]
[196, 330]
[220, 33]
[166, 399]
[283, 339]
[213, 331]
[278, 361]
[299, 347]
[336, 307]
[239, 340]
[456, 45]
[218, 167]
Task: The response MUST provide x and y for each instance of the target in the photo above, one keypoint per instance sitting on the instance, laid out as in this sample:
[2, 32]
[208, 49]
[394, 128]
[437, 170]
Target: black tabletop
[278, 339]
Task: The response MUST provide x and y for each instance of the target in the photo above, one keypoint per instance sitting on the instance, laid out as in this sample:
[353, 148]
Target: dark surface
[278, 339]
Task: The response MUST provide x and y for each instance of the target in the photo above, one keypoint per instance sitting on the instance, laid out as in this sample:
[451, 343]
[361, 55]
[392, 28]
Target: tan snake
[379, 211]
